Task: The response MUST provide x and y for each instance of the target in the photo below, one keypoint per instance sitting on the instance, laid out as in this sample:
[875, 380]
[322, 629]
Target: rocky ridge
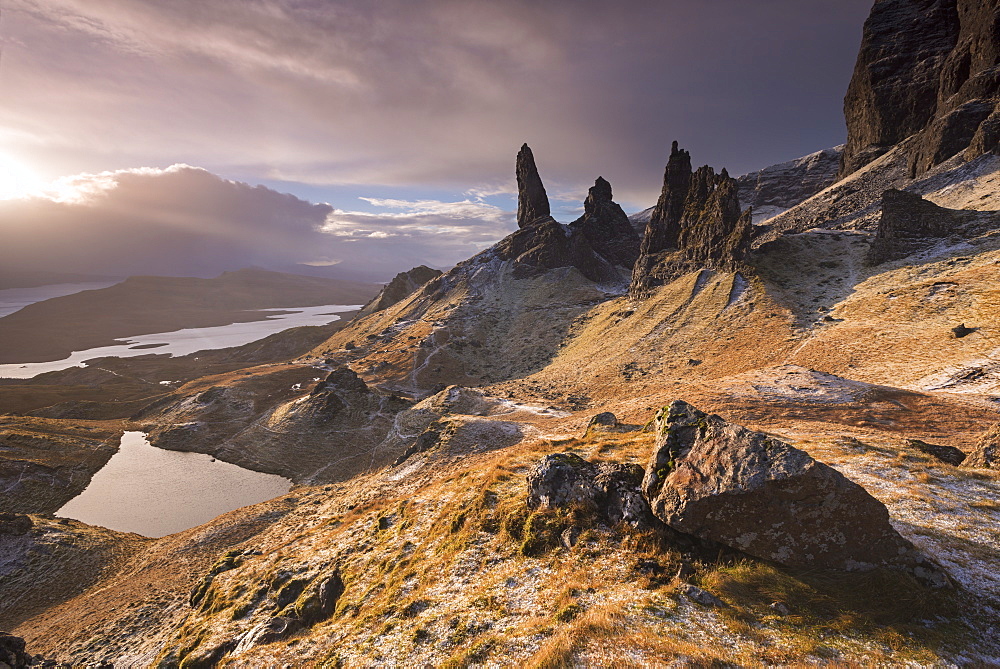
[401, 286]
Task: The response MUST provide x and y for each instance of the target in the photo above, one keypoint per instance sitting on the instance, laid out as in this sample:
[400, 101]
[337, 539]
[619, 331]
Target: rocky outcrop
[16, 524]
[610, 490]
[774, 189]
[927, 67]
[402, 286]
[606, 226]
[696, 224]
[947, 454]
[754, 493]
[266, 421]
[910, 223]
[986, 454]
[596, 244]
[532, 202]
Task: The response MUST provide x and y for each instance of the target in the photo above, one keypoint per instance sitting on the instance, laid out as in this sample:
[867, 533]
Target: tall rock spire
[532, 202]
[664, 223]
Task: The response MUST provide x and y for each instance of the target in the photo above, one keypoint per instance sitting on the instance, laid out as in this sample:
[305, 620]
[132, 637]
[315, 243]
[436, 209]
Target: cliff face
[696, 224]
[926, 67]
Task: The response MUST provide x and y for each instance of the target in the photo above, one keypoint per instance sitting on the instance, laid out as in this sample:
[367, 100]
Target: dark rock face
[532, 202]
[784, 185]
[909, 224]
[927, 67]
[986, 455]
[609, 489]
[402, 286]
[546, 245]
[751, 492]
[947, 454]
[697, 224]
[606, 226]
[12, 651]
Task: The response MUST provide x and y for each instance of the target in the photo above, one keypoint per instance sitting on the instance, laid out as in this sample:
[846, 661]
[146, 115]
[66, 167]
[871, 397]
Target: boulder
[320, 598]
[947, 454]
[986, 454]
[759, 495]
[12, 651]
[611, 490]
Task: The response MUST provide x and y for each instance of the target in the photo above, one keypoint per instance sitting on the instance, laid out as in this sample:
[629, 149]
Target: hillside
[52, 329]
[730, 441]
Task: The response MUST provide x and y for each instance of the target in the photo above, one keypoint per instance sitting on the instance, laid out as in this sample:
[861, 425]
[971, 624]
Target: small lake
[13, 299]
[155, 492]
[184, 342]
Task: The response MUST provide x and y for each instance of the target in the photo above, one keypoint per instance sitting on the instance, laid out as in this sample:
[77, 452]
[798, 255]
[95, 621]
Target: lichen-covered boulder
[987, 452]
[754, 493]
[609, 489]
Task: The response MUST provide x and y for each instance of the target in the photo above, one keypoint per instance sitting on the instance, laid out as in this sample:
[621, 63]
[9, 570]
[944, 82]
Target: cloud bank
[424, 93]
[186, 221]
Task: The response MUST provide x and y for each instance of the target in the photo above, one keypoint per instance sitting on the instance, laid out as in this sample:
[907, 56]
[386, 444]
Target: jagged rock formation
[402, 286]
[532, 202]
[754, 493]
[774, 189]
[927, 67]
[986, 454]
[910, 223]
[606, 226]
[697, 224]
[595, 243]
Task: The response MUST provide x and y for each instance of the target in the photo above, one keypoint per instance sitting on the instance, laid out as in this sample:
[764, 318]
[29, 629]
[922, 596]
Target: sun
[16, 179]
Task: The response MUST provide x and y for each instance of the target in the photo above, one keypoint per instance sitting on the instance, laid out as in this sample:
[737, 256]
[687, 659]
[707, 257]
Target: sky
[362, 138]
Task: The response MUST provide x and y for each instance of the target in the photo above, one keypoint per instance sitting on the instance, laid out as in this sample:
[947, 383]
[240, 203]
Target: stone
[699, 596]
[986, 454]
[779, 608]
[602, 422]
[532, 202]
[909, 224]
[697, 224]
[756, 494]
[607, 228]
[12, 651]
[611, 490]
[927, 70]
[947, 454]
[15, 523]
[961, 331]
[402, 286]
[342, 379]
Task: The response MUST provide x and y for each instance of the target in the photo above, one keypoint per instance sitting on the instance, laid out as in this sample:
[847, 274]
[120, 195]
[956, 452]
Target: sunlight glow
[16, 179]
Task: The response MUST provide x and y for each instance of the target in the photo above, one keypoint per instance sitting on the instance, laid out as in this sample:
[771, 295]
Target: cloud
[185, 220]
[424, 93]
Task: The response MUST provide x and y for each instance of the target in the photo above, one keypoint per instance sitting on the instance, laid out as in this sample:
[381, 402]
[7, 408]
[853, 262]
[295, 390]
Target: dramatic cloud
[185, 220]
[423, 93]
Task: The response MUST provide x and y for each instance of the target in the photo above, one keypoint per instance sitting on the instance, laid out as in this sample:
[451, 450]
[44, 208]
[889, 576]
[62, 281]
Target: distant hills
[52, 329]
